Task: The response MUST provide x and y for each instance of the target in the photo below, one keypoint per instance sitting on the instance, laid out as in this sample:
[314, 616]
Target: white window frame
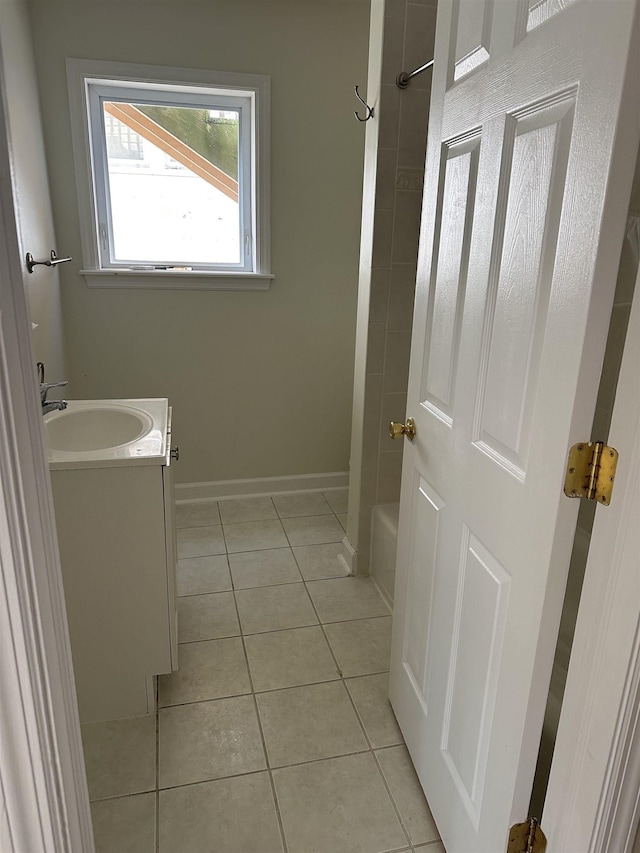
[92, 81]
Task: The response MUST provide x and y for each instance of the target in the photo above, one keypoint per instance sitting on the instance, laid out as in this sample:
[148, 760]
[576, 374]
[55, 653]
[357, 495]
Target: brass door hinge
[527, 837]
[591, 470]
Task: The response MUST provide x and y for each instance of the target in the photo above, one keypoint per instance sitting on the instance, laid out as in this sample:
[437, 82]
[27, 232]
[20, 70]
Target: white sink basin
[99, 433]
[96, 429]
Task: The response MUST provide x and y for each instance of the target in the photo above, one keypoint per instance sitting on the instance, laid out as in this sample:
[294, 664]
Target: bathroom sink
[98, 433]
[96, 428]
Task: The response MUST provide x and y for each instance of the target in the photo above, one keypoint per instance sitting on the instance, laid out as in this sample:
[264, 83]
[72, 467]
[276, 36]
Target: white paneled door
[532, 141]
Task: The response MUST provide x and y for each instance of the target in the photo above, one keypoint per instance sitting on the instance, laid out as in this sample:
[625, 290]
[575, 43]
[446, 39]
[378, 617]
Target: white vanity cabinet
[117, 547]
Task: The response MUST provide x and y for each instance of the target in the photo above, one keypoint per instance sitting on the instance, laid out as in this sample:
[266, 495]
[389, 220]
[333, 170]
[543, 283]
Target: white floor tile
[254, 536]
[211, 669]
[207, 617]
[337, 805]
[320, 561]
[370, 694]
[216, 795]
[362, 647]
[338, 500]
[407, 793]
[200, 541]
[263, 568]
[289, 658]
[247, 509]
[272, 608]
[197, 514]
[119, 756]
[125, 825]
[208, 740]
[293, 506]
[230, 815]
[313, 530]
[308, 723]
[341, 599]
[203, 574]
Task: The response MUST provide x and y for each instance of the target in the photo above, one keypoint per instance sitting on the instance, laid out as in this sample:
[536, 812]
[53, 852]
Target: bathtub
[384, 539]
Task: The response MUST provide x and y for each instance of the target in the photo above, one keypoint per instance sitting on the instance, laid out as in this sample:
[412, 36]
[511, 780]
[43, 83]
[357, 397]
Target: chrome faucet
[45, 387]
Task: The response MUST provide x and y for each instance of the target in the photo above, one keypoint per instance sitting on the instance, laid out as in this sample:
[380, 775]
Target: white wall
[30, 183]
[261, 383]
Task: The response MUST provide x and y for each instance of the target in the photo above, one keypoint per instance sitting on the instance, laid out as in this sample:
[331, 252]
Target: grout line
[392, 798]
[262, 737]
[251, 772]
[364, 731]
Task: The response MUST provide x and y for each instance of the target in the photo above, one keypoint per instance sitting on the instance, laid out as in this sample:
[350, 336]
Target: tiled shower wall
[409, 29]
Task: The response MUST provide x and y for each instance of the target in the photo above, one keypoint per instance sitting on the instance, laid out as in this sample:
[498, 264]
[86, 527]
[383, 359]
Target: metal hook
[366, 106]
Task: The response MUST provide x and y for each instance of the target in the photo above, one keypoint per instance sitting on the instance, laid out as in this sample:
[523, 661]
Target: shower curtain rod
[402, 80]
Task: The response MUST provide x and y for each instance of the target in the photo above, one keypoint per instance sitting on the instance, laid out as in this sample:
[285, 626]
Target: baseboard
[223, 489]
[349, 557]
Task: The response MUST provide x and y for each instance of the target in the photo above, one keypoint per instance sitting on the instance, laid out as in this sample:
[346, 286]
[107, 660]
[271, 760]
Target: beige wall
[261, 383]
[30, 183]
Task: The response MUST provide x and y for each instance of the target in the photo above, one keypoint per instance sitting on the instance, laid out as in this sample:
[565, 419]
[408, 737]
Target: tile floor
[276, 733]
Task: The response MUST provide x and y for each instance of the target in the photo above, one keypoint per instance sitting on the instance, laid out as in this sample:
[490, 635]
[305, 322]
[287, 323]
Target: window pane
[173, 184]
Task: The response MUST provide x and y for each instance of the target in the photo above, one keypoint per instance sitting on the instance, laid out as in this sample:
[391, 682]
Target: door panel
[540, 11]
[456, 206]
[537, 144]
[472, 35]
[529, 165]
[478, 637]
[427, 510]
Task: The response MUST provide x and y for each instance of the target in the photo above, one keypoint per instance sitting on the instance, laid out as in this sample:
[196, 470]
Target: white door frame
[593, 798]
[44, 804]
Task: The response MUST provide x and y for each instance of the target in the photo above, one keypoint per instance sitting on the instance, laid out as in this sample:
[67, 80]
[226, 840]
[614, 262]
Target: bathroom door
[533, 136]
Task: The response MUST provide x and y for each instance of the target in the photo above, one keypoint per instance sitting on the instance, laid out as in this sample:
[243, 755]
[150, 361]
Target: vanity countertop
[108, 433]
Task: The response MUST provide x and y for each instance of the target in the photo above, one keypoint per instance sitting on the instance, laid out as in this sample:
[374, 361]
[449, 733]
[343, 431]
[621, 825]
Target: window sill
[177, 280]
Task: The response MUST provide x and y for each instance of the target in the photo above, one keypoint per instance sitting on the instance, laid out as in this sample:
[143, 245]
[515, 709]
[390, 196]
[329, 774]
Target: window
[172, 175]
